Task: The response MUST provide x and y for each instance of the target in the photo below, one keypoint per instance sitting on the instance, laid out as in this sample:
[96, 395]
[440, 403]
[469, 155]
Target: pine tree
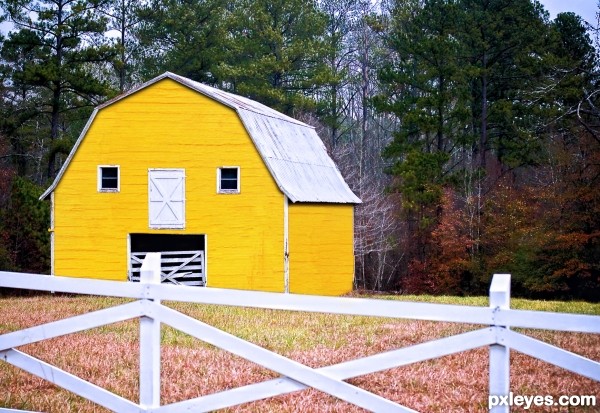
[182, 36]
[426, 87]
[123, 18]
[66, 50]
[275, 52]
[476, 86]
[506, 51]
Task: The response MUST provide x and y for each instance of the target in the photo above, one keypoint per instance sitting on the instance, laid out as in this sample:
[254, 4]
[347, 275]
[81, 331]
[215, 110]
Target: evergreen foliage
[275, 53]
[50, 62]
[181, 36]
[24, 232]
[479, 88]
[123, 19]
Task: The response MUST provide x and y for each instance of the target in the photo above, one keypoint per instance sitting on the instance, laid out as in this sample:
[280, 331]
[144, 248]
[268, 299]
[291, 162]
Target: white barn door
[166, 194]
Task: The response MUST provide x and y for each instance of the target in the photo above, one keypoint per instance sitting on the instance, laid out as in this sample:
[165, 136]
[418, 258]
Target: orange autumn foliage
[447, 268]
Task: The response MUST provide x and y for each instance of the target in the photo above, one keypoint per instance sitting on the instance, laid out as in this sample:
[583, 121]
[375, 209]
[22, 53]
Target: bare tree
[355, 137]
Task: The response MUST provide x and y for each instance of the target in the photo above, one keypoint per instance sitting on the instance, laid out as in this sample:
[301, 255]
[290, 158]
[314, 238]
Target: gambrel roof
[291, 150]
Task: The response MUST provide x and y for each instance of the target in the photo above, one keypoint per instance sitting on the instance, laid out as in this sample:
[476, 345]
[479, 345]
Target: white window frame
[100, 188]
[229, 191]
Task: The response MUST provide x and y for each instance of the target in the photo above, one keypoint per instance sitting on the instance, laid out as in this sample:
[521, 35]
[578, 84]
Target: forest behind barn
[470, 129]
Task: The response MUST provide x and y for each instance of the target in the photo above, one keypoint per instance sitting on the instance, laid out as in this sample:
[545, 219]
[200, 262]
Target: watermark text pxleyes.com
[527, 402]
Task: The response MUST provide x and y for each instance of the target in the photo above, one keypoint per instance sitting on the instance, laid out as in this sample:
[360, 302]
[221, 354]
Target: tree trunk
[56, 96]
[484, 108]
[123, 69]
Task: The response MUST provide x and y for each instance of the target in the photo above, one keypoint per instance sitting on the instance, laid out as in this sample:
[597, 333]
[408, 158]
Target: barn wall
[321, 247]
[168, 125]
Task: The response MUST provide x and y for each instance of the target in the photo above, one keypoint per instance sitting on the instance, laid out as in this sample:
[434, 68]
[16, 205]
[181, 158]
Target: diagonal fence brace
[553, 355]
[273, 361]
[69, 382]
[71, 325]
[342, 371]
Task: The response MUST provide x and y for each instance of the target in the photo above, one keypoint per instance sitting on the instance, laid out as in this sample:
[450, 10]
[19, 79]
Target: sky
[585, 8]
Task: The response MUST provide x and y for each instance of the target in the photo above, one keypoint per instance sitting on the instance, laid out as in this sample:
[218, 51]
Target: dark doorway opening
[166, 242]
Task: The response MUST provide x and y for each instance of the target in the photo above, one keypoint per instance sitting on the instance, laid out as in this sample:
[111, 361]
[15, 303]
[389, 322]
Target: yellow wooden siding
[168, 125]
[321, 246]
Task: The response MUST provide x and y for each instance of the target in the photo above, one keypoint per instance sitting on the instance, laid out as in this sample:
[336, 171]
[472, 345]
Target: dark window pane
[229, 179]
[229, 184]
[229, 173]
[109, 183]
[110, 172]
[109, 178]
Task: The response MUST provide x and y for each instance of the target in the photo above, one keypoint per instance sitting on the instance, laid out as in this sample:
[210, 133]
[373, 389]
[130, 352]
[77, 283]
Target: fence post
[499, 353]
[150, 339]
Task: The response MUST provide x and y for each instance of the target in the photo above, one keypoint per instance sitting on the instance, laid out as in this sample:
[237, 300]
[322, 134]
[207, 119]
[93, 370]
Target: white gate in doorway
[176, 267]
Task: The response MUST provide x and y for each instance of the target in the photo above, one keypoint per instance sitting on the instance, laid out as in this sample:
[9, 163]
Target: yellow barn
[232, 193]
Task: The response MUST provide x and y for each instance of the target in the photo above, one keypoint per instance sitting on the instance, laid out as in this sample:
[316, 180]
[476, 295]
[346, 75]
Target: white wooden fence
[497, 319]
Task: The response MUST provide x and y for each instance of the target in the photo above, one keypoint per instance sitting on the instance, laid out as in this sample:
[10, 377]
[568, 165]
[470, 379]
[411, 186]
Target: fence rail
[496, 333]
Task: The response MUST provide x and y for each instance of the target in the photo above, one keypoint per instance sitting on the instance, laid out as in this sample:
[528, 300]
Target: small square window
[228, 180]
[108, 179]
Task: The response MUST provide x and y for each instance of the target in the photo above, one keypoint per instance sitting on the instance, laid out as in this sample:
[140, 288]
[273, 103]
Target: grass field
[108, 357]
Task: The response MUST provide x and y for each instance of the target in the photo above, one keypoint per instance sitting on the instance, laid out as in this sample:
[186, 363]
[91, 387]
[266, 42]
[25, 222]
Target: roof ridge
[230, 98]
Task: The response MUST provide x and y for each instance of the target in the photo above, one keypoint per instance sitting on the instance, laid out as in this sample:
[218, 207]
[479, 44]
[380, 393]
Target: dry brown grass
[108, 357]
